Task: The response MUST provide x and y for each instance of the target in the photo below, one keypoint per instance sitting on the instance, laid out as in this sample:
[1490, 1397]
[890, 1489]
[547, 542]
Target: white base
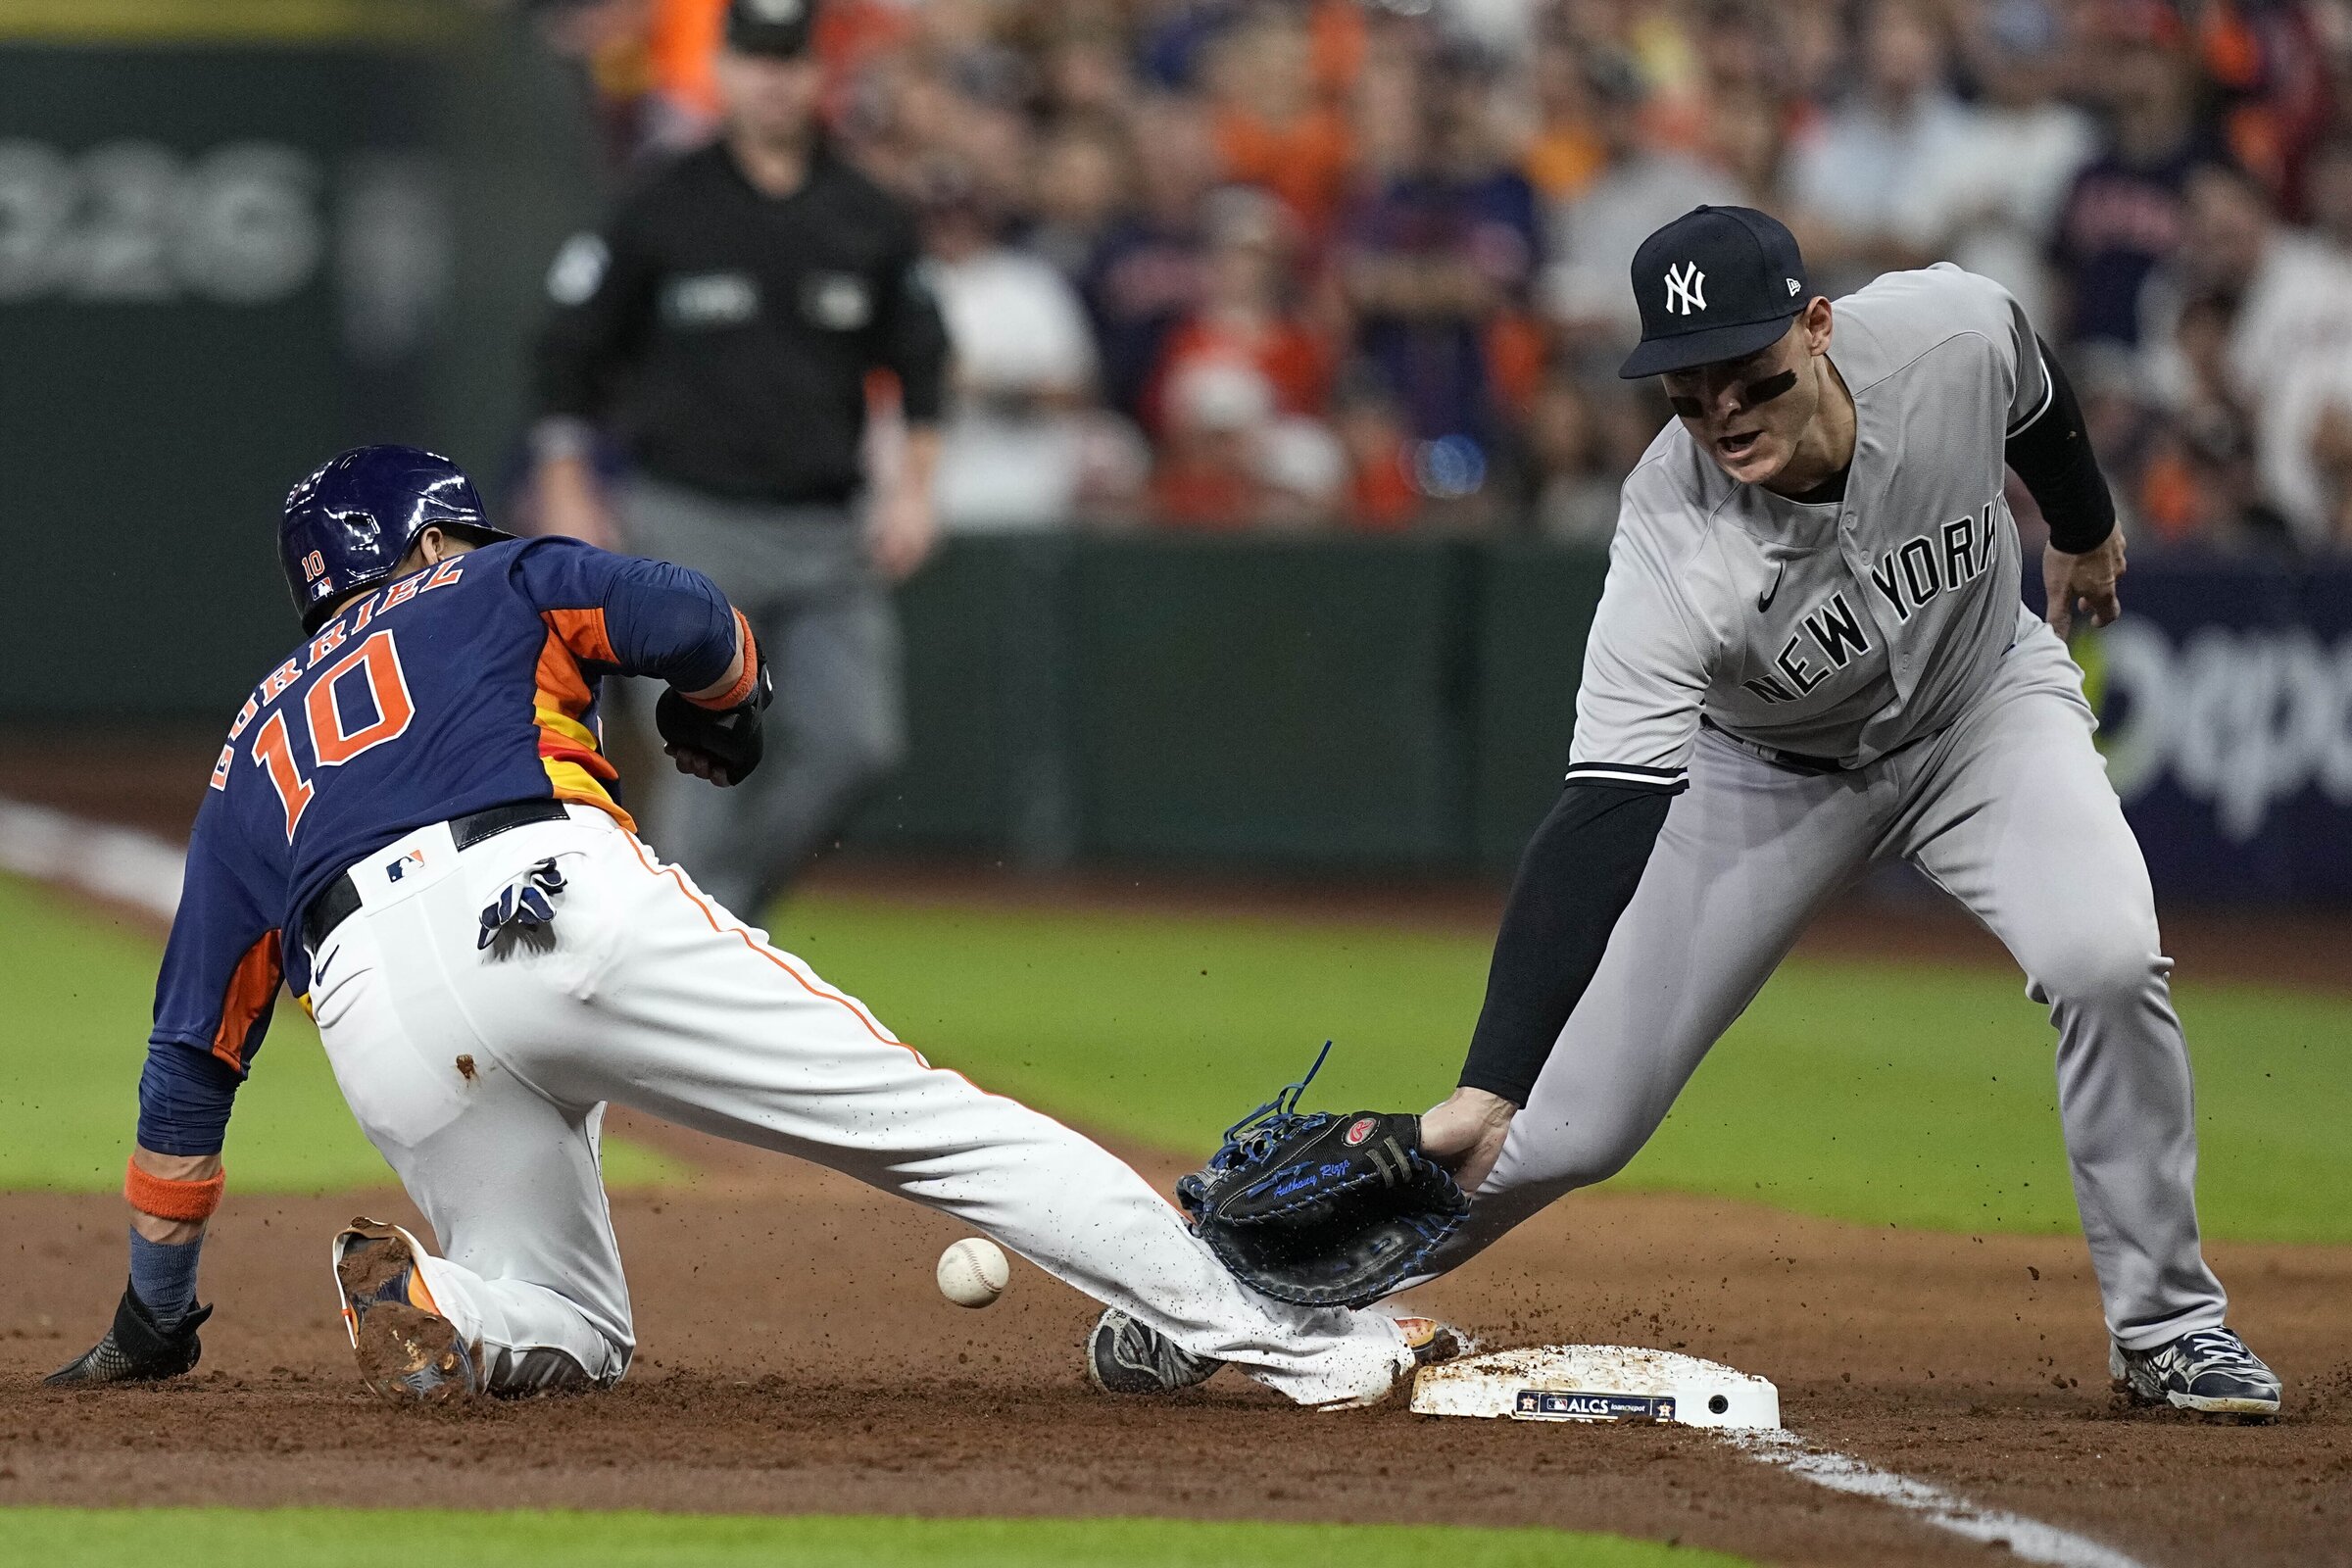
[1598, 1382]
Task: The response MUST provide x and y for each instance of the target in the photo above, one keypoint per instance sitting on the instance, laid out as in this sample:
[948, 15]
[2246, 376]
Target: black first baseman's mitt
[728, 737]
[1322, 1209]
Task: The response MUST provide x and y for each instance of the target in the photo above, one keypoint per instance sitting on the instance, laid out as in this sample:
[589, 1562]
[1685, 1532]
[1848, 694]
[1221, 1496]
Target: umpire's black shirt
[725, 335]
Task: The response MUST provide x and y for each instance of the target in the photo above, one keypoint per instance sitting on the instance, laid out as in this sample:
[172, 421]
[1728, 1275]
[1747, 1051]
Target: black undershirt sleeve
[1575, 879]
[2051, 453]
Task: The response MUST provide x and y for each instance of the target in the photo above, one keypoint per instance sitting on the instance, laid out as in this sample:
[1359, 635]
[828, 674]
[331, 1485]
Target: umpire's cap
[771, 26]
[1716, 283]
[351, 522]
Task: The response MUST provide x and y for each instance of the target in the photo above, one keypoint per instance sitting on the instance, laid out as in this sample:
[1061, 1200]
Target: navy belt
[339, 897]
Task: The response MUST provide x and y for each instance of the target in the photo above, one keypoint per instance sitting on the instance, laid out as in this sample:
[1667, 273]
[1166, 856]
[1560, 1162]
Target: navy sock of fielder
[163, 1275]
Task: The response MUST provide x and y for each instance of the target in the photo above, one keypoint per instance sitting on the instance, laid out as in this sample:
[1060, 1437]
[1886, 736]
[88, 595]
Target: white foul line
[2030, 1539]
[114, 862]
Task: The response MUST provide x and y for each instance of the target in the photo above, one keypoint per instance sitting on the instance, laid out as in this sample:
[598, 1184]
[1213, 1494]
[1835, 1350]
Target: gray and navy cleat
[2210, 1371]
[408, 1352]
[1126, 1356]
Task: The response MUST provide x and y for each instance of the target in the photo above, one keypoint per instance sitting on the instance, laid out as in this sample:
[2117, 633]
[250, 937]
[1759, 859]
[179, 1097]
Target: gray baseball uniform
[1832, 684]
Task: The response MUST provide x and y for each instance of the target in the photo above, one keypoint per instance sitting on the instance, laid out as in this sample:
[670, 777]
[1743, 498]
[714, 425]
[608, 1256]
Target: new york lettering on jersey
[1906, 578]
[466, 685]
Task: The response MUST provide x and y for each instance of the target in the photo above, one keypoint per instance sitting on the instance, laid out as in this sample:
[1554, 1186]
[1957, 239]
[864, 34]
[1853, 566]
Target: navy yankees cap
[1716, 283]
[771, 26]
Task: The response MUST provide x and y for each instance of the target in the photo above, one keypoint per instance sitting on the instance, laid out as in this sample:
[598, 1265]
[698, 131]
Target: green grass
[76, 992]
[199, 1538]
[1872, 1092]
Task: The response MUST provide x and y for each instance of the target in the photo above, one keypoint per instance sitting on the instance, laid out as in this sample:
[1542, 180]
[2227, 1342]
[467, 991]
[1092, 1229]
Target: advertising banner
[2224, 696]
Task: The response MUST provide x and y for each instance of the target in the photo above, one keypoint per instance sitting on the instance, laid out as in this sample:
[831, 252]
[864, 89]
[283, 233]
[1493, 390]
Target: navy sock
[163, 1274]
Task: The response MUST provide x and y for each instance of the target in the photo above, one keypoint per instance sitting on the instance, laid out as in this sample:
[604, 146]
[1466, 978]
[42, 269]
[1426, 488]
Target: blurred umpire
[724, 328]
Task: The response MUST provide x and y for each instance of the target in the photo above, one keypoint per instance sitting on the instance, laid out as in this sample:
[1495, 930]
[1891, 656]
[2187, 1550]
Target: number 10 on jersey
[333, 741]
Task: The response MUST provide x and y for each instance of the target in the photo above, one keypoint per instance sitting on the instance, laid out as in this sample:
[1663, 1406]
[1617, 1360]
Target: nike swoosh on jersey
[1764, 599]
[319, 969]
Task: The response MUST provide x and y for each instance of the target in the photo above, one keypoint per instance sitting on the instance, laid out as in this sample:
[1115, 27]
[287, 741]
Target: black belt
[338, 898]
[1799, 761]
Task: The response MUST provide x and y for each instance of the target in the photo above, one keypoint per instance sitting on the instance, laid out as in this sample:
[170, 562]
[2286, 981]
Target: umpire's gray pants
[827, 625]
[2010, 811]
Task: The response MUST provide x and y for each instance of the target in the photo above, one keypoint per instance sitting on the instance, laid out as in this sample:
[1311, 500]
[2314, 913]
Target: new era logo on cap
[1717, 284]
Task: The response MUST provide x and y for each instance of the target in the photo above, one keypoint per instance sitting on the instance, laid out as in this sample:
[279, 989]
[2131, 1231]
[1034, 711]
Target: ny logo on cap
[1686, 289]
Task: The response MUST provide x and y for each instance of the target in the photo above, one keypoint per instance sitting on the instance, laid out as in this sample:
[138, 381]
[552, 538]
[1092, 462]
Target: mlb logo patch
[414, 860]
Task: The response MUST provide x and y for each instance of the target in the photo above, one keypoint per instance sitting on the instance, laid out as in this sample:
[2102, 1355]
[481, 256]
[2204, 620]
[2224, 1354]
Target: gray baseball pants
[2009, 810]
[827, 625]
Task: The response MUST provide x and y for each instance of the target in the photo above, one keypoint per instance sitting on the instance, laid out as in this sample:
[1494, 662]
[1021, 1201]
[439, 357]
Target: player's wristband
[748, 682]
[166, 1199]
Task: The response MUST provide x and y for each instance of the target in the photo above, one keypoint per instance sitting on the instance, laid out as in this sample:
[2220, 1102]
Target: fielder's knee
[2091, 972]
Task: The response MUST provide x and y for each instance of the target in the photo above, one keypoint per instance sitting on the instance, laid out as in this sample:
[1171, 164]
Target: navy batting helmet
[350, 523]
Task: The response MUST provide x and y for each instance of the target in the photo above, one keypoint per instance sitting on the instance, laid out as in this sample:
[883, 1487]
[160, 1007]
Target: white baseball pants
[482, 1077]
[2009, 810]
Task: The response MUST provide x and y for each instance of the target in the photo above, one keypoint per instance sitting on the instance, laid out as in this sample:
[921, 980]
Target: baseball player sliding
[412, 823]
[1809, 655]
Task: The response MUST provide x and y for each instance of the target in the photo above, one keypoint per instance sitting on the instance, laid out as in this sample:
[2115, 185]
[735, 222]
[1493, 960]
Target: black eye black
[1688, 408]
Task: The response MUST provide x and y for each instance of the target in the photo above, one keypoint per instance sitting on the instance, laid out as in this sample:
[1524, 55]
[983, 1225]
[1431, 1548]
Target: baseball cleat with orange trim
[408, 1352]
[1435, 1342]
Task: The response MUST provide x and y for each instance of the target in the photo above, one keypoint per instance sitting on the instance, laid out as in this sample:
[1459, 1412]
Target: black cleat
[1127, 1356]
[135, 1349]
[2209, 1371]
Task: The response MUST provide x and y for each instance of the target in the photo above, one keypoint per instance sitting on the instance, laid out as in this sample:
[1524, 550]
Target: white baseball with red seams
[646, 993]
[973, 1272]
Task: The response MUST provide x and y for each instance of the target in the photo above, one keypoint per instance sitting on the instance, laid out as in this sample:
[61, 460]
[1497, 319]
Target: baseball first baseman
[413, 824]
[1810, 654]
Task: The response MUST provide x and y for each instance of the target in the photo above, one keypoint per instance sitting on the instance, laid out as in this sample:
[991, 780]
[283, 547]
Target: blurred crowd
[1224, 264]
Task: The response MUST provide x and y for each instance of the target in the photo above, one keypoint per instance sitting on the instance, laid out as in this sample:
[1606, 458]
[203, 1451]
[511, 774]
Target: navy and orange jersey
[466, 685]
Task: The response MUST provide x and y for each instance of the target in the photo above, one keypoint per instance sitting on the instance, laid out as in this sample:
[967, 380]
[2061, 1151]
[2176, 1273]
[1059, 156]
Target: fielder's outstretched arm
[1578, 874]
[1575, 879]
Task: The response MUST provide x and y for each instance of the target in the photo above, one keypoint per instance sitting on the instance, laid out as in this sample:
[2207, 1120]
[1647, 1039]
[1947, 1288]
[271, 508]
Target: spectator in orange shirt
[1566, 153]
[1271, 126]
[1244, 317]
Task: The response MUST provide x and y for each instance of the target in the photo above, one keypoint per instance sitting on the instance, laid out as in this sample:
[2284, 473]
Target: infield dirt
[795, 1357]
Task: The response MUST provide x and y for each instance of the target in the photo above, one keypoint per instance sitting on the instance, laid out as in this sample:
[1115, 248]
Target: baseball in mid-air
[973, 1272]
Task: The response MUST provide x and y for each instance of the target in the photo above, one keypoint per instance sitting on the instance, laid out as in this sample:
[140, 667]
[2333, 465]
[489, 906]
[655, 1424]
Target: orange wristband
[742, 689]
[166, 1199]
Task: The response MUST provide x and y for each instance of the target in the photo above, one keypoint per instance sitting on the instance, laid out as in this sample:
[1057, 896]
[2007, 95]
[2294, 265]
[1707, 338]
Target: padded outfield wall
[1404, 706]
